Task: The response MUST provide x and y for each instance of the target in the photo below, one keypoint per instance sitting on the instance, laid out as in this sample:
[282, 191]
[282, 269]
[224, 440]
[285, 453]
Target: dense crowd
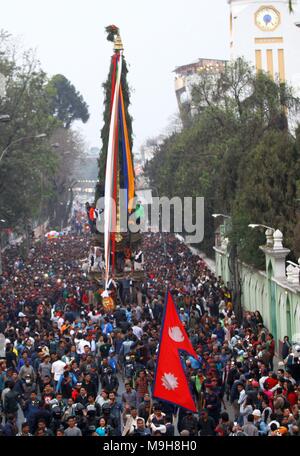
[68, 368]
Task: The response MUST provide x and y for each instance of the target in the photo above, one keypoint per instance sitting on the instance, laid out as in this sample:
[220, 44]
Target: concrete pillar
[277, 255]
[275, 269]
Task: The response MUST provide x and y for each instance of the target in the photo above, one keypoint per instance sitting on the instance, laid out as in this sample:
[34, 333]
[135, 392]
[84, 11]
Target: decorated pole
[119, 164]
[115, 250]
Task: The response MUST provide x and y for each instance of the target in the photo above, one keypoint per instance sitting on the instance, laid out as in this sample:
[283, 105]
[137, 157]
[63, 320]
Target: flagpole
[109, 176]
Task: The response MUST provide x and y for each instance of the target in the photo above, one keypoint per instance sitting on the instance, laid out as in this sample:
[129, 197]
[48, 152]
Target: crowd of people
[69, 368]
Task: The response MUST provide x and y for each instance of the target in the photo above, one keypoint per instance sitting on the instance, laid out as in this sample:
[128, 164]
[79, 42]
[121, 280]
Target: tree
[67, 103]
[266, 192]
[69, 148]
[27, 159]
[239, 136]
[34, 176]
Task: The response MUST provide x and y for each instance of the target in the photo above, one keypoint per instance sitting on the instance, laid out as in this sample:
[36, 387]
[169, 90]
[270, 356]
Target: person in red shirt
[271, 349]
[142, 385]
[76, 391]
[85, 299]
[272, 380]
[291, 396]
[268, 392]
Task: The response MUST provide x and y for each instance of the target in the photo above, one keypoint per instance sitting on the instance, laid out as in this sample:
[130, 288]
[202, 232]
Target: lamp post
[221, 215]
[256, 225]
[269, 232]
[41, 135]
[4, 118]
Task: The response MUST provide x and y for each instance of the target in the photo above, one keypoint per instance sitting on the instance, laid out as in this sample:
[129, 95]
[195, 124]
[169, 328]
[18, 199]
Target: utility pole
[236, 283]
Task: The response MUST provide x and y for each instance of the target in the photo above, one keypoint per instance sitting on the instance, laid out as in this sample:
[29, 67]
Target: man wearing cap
[259, 423]
[183, 316]
[109, 381]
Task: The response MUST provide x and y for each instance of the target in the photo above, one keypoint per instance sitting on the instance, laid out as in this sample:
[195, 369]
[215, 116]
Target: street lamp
[41, 135]
[269, 232]
[256, 225]
[4, 118]
[220, 215]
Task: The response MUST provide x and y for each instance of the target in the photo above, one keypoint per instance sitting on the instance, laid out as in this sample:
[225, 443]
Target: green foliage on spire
[107, 86]
[111, 31]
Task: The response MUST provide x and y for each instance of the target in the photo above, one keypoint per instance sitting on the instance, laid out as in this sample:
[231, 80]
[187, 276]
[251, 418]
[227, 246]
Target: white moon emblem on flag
[176, 334]
[169, 381]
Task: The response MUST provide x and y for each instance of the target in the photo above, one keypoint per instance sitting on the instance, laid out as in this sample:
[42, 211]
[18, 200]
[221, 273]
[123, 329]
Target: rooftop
[200, 63]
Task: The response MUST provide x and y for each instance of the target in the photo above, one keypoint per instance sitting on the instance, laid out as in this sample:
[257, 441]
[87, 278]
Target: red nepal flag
[170, 380]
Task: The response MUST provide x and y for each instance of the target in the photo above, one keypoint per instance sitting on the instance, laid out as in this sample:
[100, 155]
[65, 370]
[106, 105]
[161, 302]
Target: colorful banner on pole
[118, 152]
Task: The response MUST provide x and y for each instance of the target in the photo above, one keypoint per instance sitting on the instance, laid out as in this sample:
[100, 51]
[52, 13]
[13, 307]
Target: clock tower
[267, 35]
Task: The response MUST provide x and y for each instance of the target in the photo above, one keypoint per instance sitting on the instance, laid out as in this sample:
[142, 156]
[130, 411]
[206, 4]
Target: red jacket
[272, 347]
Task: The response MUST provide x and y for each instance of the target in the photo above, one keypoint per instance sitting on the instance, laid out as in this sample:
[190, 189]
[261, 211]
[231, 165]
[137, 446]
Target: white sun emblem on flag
[169, 381]
[175, 334]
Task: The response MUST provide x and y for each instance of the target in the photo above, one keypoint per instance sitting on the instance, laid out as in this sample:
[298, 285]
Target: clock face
[267, 18]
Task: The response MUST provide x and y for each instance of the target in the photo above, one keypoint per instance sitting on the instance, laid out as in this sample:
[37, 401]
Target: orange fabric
[92, 213]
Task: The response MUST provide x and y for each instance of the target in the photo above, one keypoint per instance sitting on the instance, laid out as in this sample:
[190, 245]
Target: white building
[188, 75]
[265, 33]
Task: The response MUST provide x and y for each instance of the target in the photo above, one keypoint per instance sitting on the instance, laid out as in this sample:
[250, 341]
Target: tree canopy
[67, 104]
[31, 167]
[237, 153]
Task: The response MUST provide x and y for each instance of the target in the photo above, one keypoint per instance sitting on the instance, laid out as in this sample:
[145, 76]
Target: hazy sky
[158, 35]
